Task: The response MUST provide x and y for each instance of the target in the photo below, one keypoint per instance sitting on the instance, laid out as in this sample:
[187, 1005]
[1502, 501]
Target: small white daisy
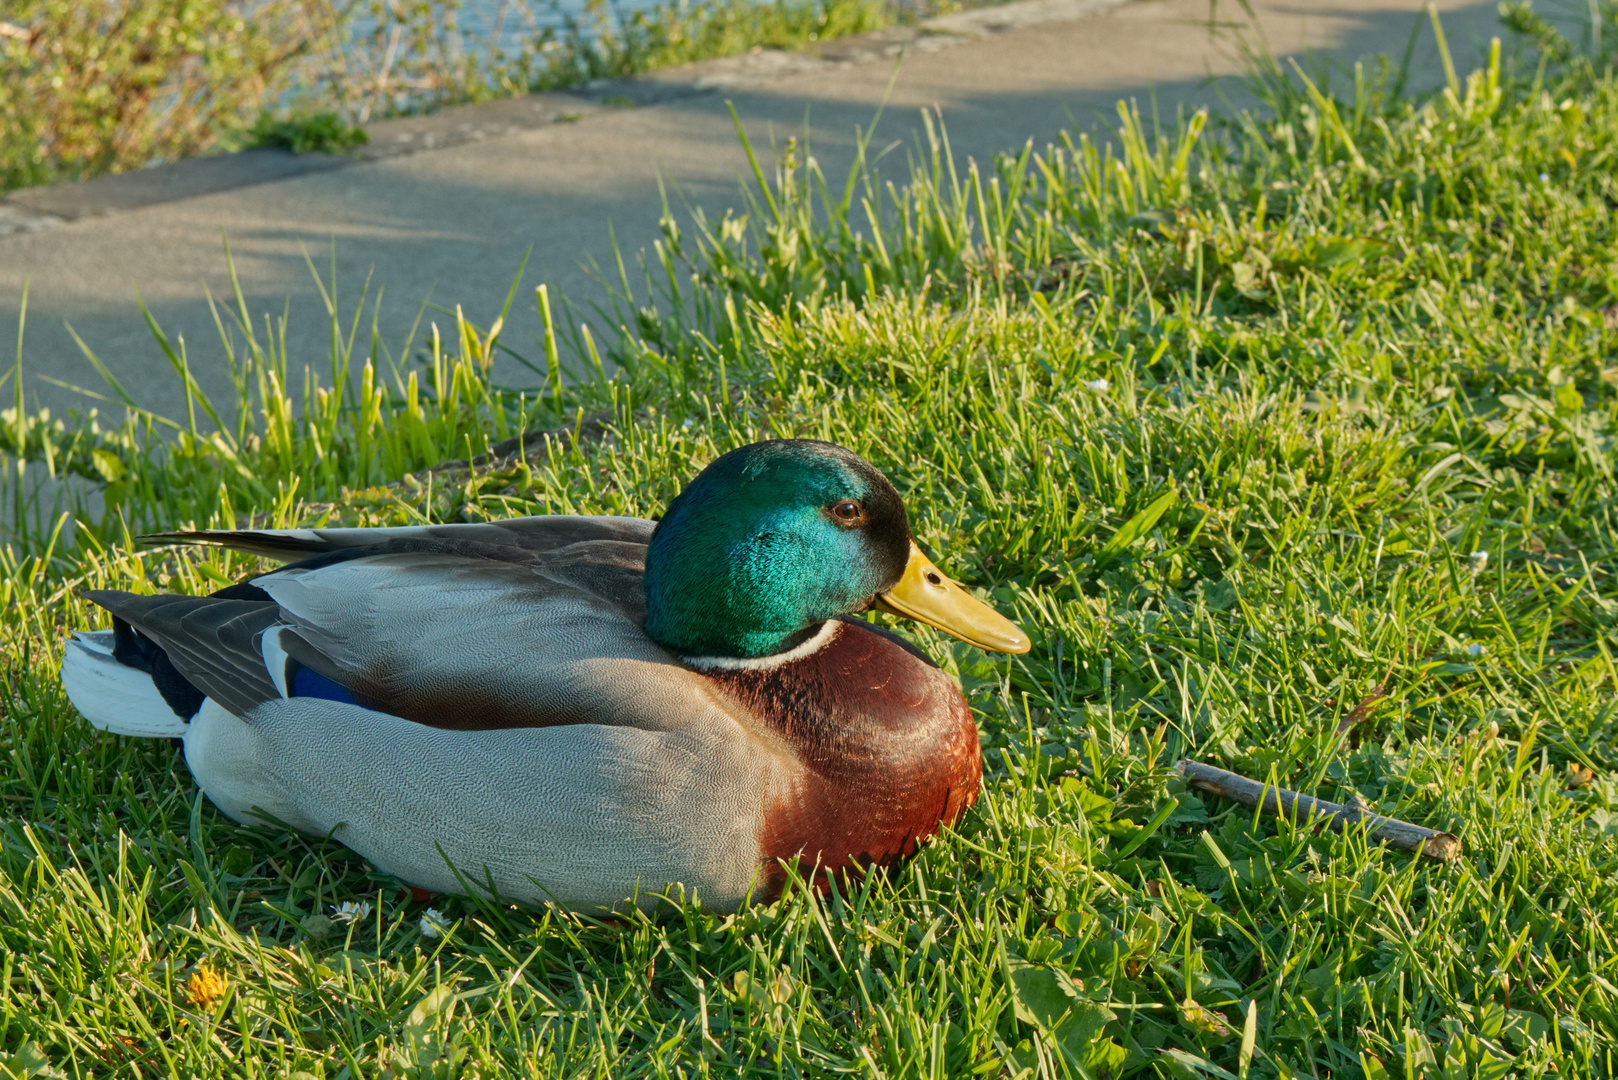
[433, 923]
[1100, 386]
[350, 912]
[1478, 560]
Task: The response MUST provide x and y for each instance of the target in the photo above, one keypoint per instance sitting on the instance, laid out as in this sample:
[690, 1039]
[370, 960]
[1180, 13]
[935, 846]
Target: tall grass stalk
[287, 435]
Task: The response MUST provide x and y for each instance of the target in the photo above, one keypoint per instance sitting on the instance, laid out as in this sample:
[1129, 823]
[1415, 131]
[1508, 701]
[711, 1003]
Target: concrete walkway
[551, 173]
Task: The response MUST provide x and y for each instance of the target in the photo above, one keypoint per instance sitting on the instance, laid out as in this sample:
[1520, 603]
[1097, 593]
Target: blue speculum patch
[309, 683]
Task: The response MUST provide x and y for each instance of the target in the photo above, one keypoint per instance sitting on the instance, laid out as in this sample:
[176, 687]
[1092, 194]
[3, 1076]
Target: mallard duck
[580, 710]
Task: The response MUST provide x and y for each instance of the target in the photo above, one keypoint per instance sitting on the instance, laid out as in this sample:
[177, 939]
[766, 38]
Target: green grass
[1226, 416]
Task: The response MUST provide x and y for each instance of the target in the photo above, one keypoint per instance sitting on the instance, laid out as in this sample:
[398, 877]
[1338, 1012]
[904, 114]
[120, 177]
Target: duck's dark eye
[848, 512]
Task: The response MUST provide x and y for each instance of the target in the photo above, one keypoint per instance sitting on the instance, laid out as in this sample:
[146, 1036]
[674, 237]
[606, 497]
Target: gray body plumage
[588, 815]
[534, 740]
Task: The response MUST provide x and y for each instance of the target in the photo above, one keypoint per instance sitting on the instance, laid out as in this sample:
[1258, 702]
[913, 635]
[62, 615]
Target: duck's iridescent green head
[772, 539]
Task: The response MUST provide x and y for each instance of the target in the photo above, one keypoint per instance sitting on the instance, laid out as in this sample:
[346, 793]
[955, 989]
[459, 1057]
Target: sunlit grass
[1247, 423]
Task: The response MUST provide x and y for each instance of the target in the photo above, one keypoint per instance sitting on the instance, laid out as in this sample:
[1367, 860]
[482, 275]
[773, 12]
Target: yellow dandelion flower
[207, 986]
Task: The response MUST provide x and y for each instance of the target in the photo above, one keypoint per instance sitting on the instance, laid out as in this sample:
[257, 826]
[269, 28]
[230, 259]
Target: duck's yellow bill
[929, 597]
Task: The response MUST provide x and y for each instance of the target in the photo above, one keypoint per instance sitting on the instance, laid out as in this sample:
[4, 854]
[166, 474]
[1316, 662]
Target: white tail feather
[114, 697]
[101, 641]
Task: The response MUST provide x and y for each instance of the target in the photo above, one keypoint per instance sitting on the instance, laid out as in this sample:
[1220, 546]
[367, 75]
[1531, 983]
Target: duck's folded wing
[536, 534]
[446, 635]
[467, 643]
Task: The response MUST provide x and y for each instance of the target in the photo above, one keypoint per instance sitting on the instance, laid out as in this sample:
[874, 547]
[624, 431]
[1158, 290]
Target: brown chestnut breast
[886, 748]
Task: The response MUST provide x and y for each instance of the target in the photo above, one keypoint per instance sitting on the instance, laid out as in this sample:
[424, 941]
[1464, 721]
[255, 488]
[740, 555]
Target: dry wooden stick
[1296, 806]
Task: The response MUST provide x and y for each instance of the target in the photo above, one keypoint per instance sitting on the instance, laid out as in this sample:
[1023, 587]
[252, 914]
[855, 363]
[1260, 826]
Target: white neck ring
[811, 645]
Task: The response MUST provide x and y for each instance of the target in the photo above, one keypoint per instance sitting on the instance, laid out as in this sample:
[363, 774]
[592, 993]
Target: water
[419, 57]
[491, 26]
[509, 22]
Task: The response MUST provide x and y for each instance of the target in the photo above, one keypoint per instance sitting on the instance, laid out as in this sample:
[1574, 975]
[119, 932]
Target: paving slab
[443, 208]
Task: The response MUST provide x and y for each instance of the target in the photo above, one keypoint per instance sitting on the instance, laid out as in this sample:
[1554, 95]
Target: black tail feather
[134, 649]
